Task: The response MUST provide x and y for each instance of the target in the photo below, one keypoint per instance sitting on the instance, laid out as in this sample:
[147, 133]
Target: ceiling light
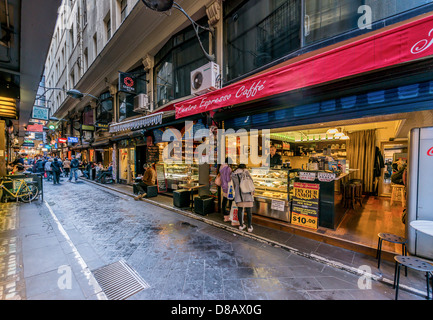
[332, 131]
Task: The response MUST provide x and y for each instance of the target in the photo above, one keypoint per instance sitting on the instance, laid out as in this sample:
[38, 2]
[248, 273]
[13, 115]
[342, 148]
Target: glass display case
[272, 194]
[176, 174]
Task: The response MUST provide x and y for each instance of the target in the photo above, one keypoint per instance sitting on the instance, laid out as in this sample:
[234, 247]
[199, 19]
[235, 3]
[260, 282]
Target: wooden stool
[398, 190]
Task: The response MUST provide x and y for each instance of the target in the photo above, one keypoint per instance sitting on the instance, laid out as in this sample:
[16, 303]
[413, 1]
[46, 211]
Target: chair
[415, 264]
[398, 192]
[393, 239]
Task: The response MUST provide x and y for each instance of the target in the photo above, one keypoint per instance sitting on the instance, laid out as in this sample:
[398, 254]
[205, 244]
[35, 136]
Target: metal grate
[119, 281]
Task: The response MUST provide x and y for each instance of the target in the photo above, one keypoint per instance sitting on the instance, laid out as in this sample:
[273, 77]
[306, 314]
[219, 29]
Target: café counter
[331, 208]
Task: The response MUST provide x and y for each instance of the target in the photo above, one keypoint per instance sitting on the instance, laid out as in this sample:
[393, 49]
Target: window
[258, 32]
[328, 18]
[108, 27]
[104, 111]
[72, 80]
[384, 9]
[123, 9]
[175, 62]
[71, 39]
[88, 116]
[95, 46]
[84, 12]
[86, 59]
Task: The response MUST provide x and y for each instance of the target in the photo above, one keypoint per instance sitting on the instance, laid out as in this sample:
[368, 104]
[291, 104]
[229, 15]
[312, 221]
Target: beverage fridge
[420, 190]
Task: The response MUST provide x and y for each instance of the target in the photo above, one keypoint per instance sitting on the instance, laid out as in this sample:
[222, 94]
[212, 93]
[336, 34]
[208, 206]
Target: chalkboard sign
[160, 176]
[152, 154]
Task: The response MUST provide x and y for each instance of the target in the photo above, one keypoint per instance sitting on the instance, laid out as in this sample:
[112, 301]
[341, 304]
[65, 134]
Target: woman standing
[244, 200]
[225, 177]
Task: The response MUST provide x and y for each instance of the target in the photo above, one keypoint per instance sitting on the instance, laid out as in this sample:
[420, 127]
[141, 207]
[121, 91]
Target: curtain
[361, 152]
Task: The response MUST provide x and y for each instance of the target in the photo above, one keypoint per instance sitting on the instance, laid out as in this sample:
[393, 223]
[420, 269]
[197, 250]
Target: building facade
[354, 65]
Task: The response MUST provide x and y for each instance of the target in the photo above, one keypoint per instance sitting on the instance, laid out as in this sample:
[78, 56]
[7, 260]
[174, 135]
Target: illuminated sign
[73, 140]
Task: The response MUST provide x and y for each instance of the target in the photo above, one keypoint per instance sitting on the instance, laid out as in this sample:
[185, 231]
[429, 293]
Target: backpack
[247, 184]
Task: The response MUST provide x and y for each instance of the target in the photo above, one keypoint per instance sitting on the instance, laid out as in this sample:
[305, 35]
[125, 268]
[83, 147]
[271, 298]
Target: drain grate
[119, 281]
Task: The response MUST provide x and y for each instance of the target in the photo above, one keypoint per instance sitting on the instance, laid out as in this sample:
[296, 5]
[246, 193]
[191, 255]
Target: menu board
[305, 209]
[160, 176]
[152, 154]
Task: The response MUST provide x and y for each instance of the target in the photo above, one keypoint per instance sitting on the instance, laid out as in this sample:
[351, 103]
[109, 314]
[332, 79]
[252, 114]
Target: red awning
[401, 44]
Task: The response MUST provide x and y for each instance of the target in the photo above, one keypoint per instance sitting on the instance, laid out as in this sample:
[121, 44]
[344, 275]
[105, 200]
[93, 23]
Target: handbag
[79, 173]
[234, 215]
[218, 181]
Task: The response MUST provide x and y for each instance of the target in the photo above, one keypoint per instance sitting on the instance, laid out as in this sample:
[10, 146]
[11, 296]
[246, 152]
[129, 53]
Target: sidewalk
[332, 256]
[38, 260]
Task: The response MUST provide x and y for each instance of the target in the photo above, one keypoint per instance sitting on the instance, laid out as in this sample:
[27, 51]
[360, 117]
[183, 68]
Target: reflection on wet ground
[182, 258]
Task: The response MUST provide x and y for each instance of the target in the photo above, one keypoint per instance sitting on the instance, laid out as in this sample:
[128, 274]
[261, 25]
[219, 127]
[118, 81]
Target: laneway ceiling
[26, 30]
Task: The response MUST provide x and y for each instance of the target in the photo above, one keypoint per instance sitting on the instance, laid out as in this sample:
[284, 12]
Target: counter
[331, 209]
[274, 194]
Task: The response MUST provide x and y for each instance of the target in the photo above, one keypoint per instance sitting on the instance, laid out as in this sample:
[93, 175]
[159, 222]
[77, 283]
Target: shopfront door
[394, 154]
[127, 165]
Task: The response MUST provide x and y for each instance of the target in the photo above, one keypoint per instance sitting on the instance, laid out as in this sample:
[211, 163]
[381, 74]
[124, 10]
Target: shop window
[258, 32]
[104, 111]
[175, 62]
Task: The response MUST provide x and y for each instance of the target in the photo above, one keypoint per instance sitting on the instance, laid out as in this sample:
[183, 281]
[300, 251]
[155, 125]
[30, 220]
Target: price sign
[307, 176]
[326, 176]
[305, 209]
[278, 205]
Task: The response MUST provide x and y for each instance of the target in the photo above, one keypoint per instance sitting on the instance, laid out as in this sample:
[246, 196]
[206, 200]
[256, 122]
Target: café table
[192, 188]
[424, 226]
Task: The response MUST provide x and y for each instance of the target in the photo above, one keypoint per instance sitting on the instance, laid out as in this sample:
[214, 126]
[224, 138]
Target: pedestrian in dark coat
[56, 167]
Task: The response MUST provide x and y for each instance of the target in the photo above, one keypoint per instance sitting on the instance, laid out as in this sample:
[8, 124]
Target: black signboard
[127, 83]
[152, 154]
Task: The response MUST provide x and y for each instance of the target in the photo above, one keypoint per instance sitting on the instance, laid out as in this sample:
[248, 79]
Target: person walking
[67, 167]
[74, 168]
[56, 167]
[48, 169]
[225, 177]
[244, 197]
[148, 179]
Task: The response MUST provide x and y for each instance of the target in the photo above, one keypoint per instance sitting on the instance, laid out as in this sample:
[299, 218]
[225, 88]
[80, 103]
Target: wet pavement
[81, 227]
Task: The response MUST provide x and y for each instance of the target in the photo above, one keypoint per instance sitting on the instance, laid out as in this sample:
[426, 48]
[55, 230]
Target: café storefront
[363, 89]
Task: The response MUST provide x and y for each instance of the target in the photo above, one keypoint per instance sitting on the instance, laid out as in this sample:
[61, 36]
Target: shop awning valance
[137, 123]
[398, 45]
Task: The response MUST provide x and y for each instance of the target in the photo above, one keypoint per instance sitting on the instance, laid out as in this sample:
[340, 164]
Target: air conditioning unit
[205, 79]
[141, 103]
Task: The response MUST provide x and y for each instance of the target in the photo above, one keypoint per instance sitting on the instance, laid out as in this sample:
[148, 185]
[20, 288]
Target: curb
[328, 262]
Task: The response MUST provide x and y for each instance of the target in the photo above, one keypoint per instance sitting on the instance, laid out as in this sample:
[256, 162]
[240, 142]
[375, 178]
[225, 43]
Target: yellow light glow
[332, 131]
